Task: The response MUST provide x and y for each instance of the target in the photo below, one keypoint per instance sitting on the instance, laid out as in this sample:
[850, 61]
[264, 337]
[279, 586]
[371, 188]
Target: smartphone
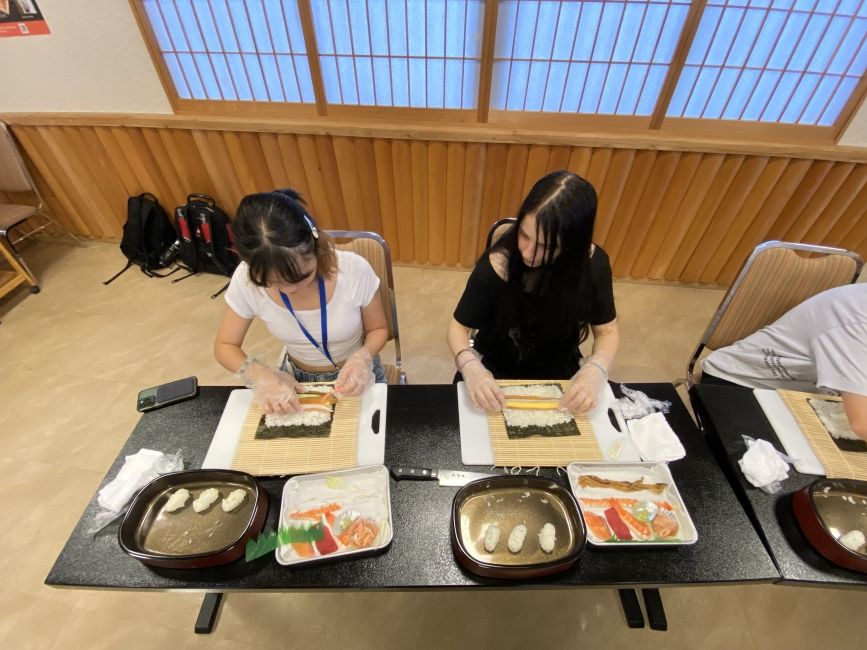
[165, 394]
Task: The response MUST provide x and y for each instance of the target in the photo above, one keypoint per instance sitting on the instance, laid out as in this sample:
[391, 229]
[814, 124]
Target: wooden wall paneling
[808, 186]
[630, 211]
[740, 239]
[386, 193]
[722, 234]
[401, 158]
[843, 232]
[492, 191]
[837, 206]
[610, 174]
[597, 170]
[667, 213]
[349, 181]
[437, 165]
[328, 164]
[274, 162]
[81, 184]
[579, 160]
[629, 175]
[145, 166]
[184, 154]
[817, 204]
[251, 145]
[662, 266]
[110, 182]
[240, 164]
[170, 174]
[474, 176]
[294, 166]
[715, 194]
[454, 200]
[537, 166]
[513, 180]
[372, 210]
[418, 153]
[317, 199]
[212, 150]
[31, 143]
[645, 213]
[130, 180]
[558, 159]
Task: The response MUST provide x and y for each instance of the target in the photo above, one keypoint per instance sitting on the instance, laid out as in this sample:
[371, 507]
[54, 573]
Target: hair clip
[313, 230]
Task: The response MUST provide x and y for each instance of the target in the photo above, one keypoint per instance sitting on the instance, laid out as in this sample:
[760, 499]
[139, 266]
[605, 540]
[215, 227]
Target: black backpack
[206, 242]
[147, 235]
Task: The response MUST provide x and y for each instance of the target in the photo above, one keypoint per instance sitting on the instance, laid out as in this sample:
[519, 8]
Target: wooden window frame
[484, 117]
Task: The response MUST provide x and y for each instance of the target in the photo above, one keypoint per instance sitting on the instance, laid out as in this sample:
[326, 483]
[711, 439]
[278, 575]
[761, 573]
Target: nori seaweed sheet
[569, 428]
[294, 431]
[843, 444]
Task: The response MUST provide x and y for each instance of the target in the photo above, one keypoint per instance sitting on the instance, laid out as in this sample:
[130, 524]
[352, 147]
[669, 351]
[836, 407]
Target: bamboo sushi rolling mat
[279, 456]
[541, 451]
[837, 463]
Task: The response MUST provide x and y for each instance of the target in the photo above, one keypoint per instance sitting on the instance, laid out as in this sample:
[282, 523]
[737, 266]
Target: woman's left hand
[583, 391]
[356, 375]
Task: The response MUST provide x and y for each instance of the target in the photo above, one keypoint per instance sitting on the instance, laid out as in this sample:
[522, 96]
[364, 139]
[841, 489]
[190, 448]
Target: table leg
[631, 608]
[655, 610]
[208, 613]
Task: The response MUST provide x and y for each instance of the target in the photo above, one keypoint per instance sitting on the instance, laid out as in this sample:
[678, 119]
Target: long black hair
[273, 230]
[550, 299]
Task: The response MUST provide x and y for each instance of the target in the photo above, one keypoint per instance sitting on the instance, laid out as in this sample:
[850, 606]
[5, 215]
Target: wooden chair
[10, 279]
[775, 278]
[14, 177]
[375, 250]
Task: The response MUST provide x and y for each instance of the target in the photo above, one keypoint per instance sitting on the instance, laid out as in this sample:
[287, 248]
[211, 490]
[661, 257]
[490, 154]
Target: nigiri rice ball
[205, 499]
[516, 538]
[235, 499]
[548, 537]
[492, 537]
[178, 500]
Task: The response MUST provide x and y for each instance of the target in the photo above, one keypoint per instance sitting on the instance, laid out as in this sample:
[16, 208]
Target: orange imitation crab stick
[636, 525]
[315, 513]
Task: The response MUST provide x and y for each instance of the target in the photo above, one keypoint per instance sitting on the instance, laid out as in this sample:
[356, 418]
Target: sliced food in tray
[335, 514]
[630, 503]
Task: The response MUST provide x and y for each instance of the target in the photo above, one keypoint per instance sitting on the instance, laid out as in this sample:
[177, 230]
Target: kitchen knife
[446, 477]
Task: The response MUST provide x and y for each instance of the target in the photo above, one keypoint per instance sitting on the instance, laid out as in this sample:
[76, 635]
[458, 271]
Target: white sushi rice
[548, 537]
[307, 417]
[531, 417]
[853, 540]
[235, 499]
[492, 537]
[206, 499]
[178, 500]
[516, 538]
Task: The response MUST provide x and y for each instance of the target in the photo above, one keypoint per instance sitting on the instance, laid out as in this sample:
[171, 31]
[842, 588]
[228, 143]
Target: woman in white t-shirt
[322, 304]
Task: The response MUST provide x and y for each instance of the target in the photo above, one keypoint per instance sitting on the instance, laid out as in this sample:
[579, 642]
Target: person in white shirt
[820, 344]
[322, 304]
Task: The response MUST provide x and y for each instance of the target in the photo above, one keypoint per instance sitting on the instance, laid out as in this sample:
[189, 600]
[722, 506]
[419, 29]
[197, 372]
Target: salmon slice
[303, 549]
[599, 530]
[643, 530]
[628, 503]
[664, 524]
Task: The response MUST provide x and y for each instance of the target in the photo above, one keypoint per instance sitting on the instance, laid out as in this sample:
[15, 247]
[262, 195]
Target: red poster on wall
[21, 18]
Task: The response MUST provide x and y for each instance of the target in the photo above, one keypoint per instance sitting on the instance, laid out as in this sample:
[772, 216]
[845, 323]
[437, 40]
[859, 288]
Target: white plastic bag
[635, 404]
[763, 466]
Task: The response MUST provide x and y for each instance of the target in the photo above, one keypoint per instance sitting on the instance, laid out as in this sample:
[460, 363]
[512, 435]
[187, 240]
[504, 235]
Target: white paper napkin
[654, 439]
[762, 464]
[138, 470]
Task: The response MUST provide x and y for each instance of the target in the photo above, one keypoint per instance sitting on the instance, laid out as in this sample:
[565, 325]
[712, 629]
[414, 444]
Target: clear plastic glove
[276, 391]
[356, 375]
[482, 387]
[583, 391]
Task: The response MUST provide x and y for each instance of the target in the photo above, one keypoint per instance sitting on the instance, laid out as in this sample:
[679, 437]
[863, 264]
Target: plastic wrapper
[763, 466]
[635, 404]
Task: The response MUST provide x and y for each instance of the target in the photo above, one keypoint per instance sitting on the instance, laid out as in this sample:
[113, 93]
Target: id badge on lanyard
[323, 317]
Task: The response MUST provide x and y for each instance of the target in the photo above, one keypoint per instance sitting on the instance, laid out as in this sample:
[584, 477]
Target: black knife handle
[413, 473]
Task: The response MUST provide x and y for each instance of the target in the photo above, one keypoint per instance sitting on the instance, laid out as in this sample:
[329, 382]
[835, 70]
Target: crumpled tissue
[654, 439]
[763, 466]
[139, 469]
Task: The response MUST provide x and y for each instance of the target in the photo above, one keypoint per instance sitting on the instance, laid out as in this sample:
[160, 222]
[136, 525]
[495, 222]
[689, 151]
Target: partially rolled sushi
[492, 537]
[206, 500]
[516, 538]
[548, 537]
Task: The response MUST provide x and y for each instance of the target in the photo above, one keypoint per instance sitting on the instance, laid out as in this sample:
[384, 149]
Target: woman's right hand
[276, 391]
[484, 390]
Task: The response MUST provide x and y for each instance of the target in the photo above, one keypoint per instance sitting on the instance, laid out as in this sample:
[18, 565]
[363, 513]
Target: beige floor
[74, 358]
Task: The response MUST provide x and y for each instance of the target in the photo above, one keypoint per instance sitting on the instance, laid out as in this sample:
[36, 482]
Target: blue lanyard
[323, 316]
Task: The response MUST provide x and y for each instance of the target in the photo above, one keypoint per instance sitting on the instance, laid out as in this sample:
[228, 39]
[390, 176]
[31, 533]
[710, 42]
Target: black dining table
[422, 430]
[727, 413]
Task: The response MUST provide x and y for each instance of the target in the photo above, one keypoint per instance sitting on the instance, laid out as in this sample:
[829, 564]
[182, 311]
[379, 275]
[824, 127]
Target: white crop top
[356, 286]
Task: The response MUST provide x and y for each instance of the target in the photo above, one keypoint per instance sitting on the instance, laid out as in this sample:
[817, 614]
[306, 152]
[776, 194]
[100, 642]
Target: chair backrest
[775, 278]
[498, 230]
[13, 174]
[375, 250]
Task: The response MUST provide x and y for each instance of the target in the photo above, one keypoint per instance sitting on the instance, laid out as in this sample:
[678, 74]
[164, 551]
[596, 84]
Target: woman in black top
[535, 295]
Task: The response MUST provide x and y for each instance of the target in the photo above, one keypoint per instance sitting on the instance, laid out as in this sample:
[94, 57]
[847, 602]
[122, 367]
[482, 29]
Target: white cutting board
[789, 432]
[371, 446]
[476, 441]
